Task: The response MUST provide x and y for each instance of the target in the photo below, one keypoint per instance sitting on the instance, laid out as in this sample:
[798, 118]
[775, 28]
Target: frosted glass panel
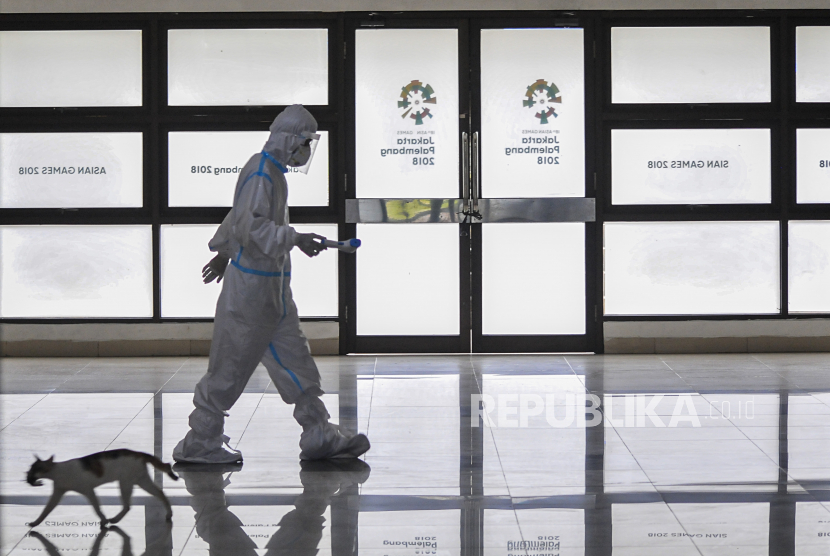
[690, 64]
[407, 290]
[690, 166]
[813, 165]
[71, 170]
[76, 271]
[809, 266]
[691, 268]
[70, 68]
[533, 278]
[812, 76]
[314, 280]
[184, 251]
[204, 166]
[532, 129]
[236, 67]
[407, 113]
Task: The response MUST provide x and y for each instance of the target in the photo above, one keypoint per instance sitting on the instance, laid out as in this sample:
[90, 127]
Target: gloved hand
[308, 245]
[215, 269]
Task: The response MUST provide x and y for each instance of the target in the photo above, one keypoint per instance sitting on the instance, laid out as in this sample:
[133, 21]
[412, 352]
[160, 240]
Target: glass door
[530, 210]
[469, 189]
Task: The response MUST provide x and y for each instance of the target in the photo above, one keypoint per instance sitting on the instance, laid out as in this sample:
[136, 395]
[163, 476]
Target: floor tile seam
[583, 379]
[47, 394]
[640, 465]
[662, 360]
[755, 357]
[754, 440]
[192, 531]
[504, 477]
[371, 397]
[26, 534]
[251, 418]
[26, 411]
[682, 526]
[501, 466]
[150, 401]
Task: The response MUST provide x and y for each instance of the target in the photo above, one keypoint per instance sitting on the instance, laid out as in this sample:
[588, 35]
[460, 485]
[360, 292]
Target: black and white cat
[82, 475]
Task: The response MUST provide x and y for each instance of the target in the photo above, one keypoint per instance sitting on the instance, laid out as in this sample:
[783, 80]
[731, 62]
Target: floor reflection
[472, 455]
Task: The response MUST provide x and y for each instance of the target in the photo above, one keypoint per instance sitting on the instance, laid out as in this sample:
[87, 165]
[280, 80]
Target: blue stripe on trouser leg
[287, 370]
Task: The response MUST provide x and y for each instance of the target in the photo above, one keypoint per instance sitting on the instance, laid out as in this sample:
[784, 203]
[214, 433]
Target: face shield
[301, 158]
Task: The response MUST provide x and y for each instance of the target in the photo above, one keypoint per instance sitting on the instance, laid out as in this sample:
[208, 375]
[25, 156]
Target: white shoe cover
[328, 440]
[322, 439]
[190, 451]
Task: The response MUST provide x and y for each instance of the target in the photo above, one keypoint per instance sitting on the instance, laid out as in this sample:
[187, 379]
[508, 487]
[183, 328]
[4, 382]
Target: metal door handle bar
[546, 209]
[476, 185]
[465, 167]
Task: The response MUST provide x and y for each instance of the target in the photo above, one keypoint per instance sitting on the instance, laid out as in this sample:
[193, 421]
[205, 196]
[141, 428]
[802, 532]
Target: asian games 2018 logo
[541, 97]
[414, 100]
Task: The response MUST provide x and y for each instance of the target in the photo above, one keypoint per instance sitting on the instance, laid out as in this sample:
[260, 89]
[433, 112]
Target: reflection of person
[215, 523]
[300, 530]
[256, 318]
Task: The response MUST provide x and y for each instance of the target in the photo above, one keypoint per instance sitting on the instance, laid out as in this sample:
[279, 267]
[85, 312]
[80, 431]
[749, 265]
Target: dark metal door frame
[470, 338]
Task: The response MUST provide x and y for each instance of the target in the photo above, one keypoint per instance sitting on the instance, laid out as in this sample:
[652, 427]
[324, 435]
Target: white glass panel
[812, 76]
[204, 167]
[533, 278]
[70, 68]
[691, 268]
[407, 280]
[407, 113]
[76, 271]
[220, 67]
[314, 280]
[71, 170]
[694, 166]
[184, 251]
[690, 64]
[532, 128]
[813, 165]
[809, 266]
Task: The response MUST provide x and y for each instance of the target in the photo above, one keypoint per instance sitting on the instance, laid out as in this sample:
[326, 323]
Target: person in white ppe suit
[256, 318]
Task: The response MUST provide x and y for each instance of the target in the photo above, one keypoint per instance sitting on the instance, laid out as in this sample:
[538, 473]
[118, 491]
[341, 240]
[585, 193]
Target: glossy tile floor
[472, 455]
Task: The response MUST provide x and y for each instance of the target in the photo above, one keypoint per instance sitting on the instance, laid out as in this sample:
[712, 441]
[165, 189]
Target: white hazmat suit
[256, 318]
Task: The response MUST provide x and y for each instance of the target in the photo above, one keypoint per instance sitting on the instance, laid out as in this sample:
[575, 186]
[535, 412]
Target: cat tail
[161, 466]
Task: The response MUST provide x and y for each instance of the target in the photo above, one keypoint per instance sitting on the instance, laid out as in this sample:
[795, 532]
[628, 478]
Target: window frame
[154, 119]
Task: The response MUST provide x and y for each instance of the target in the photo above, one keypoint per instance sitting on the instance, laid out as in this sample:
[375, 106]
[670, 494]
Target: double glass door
[469, 189]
